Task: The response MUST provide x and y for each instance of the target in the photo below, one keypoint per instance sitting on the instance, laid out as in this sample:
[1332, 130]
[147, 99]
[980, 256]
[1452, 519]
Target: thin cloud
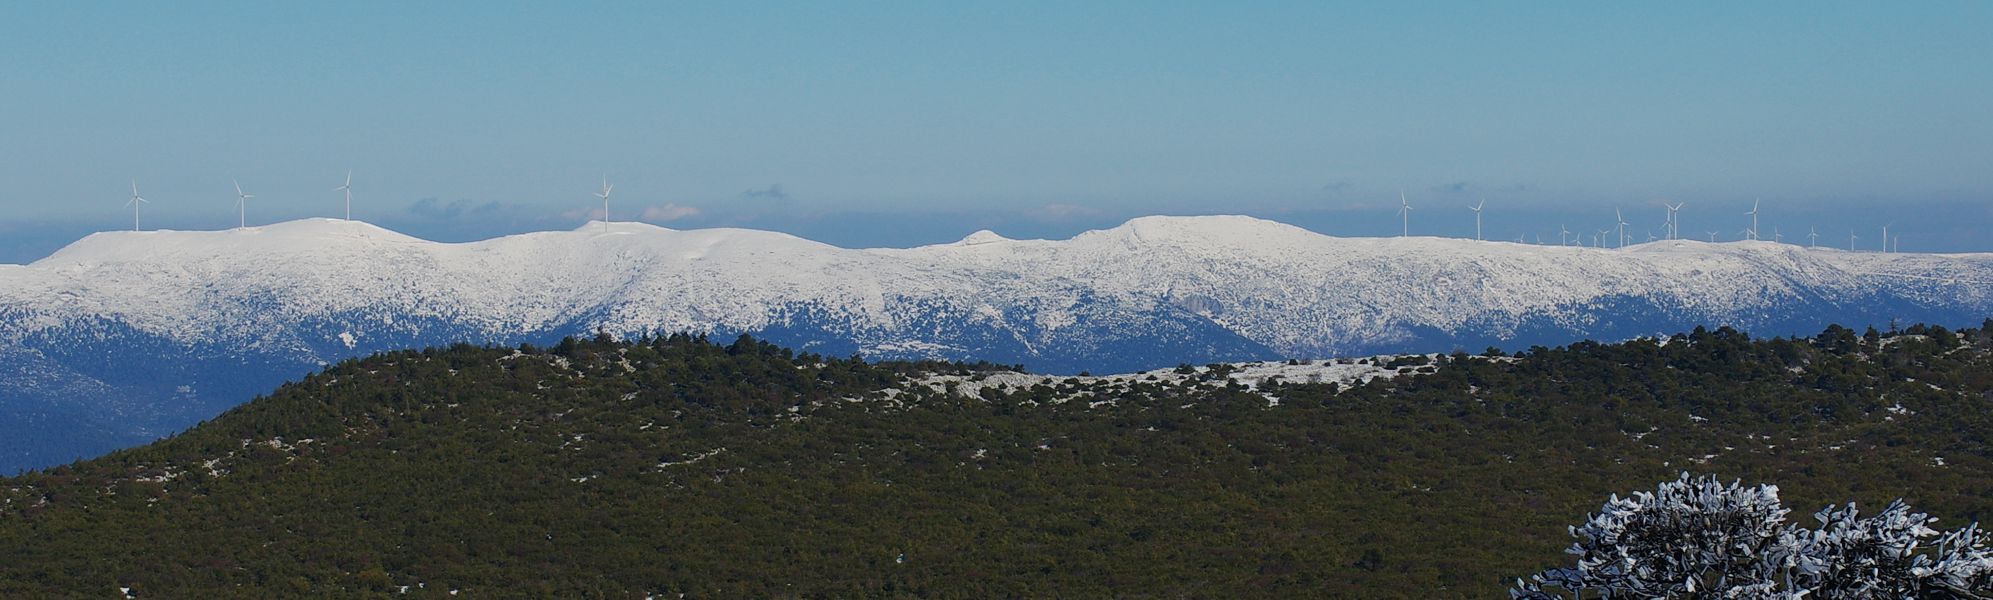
[1463, 187]
[1061, 212]
[668, 213]
[432, 208]
[772, 192]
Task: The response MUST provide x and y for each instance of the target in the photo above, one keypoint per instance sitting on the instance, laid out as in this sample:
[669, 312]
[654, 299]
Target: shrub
[1698, 538]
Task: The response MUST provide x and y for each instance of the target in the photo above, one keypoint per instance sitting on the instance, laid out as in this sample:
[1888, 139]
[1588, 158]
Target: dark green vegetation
[600, 469]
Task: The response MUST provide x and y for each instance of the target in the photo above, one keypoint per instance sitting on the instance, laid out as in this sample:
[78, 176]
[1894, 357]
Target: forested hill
[668, 466]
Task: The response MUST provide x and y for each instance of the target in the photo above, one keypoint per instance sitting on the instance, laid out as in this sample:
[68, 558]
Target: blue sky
[900, 123]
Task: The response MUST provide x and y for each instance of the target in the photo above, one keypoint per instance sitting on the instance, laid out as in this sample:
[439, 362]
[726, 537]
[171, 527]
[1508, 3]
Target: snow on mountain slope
[1290, 289]
[1303, 293]
[159, 329]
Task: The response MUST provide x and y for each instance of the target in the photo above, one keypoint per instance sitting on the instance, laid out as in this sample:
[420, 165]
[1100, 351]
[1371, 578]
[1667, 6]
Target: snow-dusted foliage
[1700, 538]
[1690, 537]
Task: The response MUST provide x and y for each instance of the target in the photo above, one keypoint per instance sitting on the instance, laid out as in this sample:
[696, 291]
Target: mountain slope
[176, 326]
[676, 466]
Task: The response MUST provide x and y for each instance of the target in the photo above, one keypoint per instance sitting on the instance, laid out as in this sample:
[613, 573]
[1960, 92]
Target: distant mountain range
[126, 336]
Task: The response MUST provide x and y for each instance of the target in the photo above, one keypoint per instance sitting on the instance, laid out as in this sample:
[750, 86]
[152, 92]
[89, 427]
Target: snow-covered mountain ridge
[1296, 292]
[162, 328]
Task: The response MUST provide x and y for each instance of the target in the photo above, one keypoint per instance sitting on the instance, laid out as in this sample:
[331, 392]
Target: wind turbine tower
[1812, 237]
[604, 195]
[1477, 218]
[241, 200]
[1616, 216]
[1851, 240]
[1885, 237]
[1674, 220]
[348, 188]
[133, 203]
[1405, 214]
[1753, 231]
[1563, 236]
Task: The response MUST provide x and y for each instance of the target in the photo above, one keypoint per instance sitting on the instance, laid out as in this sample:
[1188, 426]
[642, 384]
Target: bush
[1698, 538]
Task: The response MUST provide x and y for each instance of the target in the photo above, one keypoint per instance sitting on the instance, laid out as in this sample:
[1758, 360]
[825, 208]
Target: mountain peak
[164, 244]
[595, 226]
[1223, 230]
[982, 237]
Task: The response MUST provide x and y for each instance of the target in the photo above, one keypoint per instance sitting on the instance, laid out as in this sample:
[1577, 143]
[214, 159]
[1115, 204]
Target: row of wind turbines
[1671, 228]
[242, 201]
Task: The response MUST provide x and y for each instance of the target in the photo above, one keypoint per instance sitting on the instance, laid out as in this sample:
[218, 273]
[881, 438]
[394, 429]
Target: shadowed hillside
[675, 465]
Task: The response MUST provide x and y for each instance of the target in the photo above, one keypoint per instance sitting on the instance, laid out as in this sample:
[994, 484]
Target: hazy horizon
[907, 124]
[26, 243]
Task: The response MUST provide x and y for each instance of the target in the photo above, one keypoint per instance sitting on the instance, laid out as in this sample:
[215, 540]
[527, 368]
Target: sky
[904, 123]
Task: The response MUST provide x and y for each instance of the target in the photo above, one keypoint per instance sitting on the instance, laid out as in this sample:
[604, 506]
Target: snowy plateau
[125, 336]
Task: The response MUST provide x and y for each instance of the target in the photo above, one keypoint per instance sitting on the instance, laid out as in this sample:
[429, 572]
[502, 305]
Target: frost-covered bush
[1699, 538]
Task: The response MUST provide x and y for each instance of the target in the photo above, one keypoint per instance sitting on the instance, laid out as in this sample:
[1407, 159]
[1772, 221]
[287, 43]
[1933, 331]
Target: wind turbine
[604, 195]
[1851, 240]
[1753, 231]
[1674, 220]
[1622, 226]
[241, 200]
[1777, 238]
[1712, 236]
[1563, 236]
[1812, 237]
[1477, 218]
[1599, 240]
[348, 188]
[133, 203]
[1885, 237]
[1405, 213]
